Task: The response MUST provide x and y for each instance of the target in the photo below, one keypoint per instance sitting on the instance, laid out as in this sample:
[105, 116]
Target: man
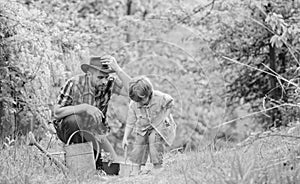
[83, 101]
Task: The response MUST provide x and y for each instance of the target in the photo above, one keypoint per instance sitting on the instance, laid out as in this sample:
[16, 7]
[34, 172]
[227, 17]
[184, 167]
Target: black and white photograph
[150, 91]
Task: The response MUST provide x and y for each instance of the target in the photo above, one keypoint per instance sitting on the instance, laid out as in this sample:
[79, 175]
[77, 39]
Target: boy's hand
[124, 143]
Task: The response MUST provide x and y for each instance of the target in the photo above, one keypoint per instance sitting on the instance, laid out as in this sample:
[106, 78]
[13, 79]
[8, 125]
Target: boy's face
[145, 101]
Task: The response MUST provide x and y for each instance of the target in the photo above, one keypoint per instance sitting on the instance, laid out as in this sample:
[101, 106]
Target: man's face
[99, 79]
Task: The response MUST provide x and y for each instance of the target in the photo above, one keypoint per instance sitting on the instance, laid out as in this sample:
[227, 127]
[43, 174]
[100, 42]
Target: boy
[149, 114]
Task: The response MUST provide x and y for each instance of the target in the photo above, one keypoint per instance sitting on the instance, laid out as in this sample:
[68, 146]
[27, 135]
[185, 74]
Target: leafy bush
[263, 40]
[32, 63]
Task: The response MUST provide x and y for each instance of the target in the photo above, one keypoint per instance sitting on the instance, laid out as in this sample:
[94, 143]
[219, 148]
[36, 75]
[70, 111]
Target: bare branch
[197, 9]
[255, 113]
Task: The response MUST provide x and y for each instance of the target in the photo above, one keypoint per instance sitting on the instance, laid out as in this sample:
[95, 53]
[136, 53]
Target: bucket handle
[97, 145]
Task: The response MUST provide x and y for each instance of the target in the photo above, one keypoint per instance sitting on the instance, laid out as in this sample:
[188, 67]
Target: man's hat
[97, 63]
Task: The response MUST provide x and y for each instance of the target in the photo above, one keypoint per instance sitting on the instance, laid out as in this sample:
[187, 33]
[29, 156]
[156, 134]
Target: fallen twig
[32, 141]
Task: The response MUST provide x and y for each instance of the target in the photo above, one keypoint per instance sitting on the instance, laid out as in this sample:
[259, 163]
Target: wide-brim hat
[97, 63]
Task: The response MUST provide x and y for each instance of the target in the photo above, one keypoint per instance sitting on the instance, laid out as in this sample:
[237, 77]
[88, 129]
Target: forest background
[232, 66]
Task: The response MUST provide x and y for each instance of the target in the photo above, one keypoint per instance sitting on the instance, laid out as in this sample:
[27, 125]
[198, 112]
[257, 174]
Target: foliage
[178, 45]
[262, 35]
[33, 55]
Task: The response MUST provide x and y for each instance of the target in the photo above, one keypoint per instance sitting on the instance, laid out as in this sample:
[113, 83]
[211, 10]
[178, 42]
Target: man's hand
[111, 61]
[94, 112]
[125, 78]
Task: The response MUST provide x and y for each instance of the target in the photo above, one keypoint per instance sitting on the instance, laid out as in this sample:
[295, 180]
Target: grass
[272, 159]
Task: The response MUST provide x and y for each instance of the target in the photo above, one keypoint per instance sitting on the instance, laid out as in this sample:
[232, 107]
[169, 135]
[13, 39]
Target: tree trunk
[128, 12]
[274, 91]
[2, 114]
[273, 68]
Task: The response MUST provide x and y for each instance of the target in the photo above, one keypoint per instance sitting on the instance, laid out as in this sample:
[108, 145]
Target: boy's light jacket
[155, 114]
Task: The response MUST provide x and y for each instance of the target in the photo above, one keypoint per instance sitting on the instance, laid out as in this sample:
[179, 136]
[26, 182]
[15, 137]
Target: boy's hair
[140, 88]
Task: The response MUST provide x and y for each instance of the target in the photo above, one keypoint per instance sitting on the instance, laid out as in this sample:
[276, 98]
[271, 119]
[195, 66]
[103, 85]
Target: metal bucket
[80, 157]
[128, 168]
